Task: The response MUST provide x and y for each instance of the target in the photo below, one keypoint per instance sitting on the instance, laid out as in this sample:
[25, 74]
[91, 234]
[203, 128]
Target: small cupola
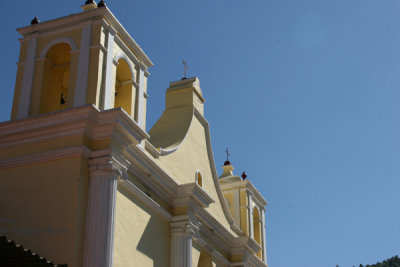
[227, 174]
[185, 92]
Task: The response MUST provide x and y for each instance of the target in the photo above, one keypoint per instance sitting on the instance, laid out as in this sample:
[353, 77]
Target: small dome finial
[102, 3]
[244, 176]
[35, 21]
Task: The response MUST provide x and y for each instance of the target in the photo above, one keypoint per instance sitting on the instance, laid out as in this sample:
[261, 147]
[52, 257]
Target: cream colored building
[83, 183]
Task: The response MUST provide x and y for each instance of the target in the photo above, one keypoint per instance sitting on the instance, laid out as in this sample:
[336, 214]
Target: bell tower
[77, 60]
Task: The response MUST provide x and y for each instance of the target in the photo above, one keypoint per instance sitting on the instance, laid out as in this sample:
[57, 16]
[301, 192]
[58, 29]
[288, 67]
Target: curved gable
[183, 138]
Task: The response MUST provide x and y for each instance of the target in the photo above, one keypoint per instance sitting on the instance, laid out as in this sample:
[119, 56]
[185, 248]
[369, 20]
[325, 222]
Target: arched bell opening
[257, 229]
[125, 96]
[54, 95]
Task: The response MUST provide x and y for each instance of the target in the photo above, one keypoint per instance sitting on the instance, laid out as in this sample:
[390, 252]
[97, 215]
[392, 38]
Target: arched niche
[257, 228]
[125, 92]
[55, 84]
[199, 179]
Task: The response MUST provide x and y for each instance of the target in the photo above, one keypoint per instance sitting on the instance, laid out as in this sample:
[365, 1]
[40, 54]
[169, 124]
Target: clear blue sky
[305, 94]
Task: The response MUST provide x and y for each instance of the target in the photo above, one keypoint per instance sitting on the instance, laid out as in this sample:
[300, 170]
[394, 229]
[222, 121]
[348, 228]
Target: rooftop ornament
[102, 3]
[227, 162]
[35, 21]
[244, 176]
[185, 69]
[88, 2]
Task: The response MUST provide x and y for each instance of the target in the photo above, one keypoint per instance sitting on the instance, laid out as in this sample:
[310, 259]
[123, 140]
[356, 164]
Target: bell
[62, 100]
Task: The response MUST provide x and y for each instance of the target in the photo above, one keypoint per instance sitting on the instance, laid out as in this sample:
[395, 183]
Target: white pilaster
[263, 236]
[251, 224]
[83, 67]
[182, 233]
[26, 89]
[99, 236]
[140, 101]
[109, 82]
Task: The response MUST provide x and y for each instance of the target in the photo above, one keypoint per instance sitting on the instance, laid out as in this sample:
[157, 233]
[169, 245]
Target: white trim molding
[109, 83]
[83, 67]
[66, 40]
[26, 89]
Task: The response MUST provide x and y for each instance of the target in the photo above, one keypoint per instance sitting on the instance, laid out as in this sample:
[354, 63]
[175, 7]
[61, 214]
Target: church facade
[83, 183]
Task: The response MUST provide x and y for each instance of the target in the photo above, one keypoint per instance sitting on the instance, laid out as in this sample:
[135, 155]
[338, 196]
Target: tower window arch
[55, 90]
[199, 179]
[125, 92]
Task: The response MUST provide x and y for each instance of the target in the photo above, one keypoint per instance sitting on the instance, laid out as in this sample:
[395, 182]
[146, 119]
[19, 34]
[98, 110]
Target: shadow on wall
[150, 243]
[154, 242]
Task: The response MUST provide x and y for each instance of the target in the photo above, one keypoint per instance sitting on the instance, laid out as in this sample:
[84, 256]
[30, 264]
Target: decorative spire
[244, 176]
[227, 162]
[102, 3]
[35, 21]
[185, 69]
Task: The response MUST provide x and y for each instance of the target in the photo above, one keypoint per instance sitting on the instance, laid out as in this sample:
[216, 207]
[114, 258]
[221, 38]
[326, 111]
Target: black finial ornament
[244, 176]
[101, 4]
[88, 2]
[35, 21]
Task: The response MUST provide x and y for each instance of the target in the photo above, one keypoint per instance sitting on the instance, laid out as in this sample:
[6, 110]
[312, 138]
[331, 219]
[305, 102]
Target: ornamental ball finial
[101, 4]
[35, 21]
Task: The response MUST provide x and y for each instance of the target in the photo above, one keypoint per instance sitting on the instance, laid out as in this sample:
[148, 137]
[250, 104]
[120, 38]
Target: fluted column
[182, 234]
[99, 236]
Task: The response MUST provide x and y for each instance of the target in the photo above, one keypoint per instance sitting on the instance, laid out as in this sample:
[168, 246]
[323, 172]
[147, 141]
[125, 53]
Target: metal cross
[185, 66]
[227, 154]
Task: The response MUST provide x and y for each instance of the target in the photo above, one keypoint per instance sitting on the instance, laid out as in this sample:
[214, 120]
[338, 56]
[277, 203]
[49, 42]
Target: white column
[27, 79]
[251, 230]
[182, 233]
[109, 83]
[99, 236]
[263, 236]
[140, 101]
[83, 67]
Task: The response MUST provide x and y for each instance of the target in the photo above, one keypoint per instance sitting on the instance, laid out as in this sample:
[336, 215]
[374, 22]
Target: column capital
[185, 227]
[109, 164]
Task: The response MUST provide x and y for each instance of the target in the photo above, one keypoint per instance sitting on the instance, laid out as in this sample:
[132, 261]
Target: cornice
[96, 13]
[256, 194]
[87, 121]
[193, 197]
[148, 201]
[45, 157]
[249, 187]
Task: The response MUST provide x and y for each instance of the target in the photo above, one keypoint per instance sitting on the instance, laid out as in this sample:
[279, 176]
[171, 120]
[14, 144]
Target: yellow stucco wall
[141, 236]
[244, 218]
[192, 155]
[43, 208]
